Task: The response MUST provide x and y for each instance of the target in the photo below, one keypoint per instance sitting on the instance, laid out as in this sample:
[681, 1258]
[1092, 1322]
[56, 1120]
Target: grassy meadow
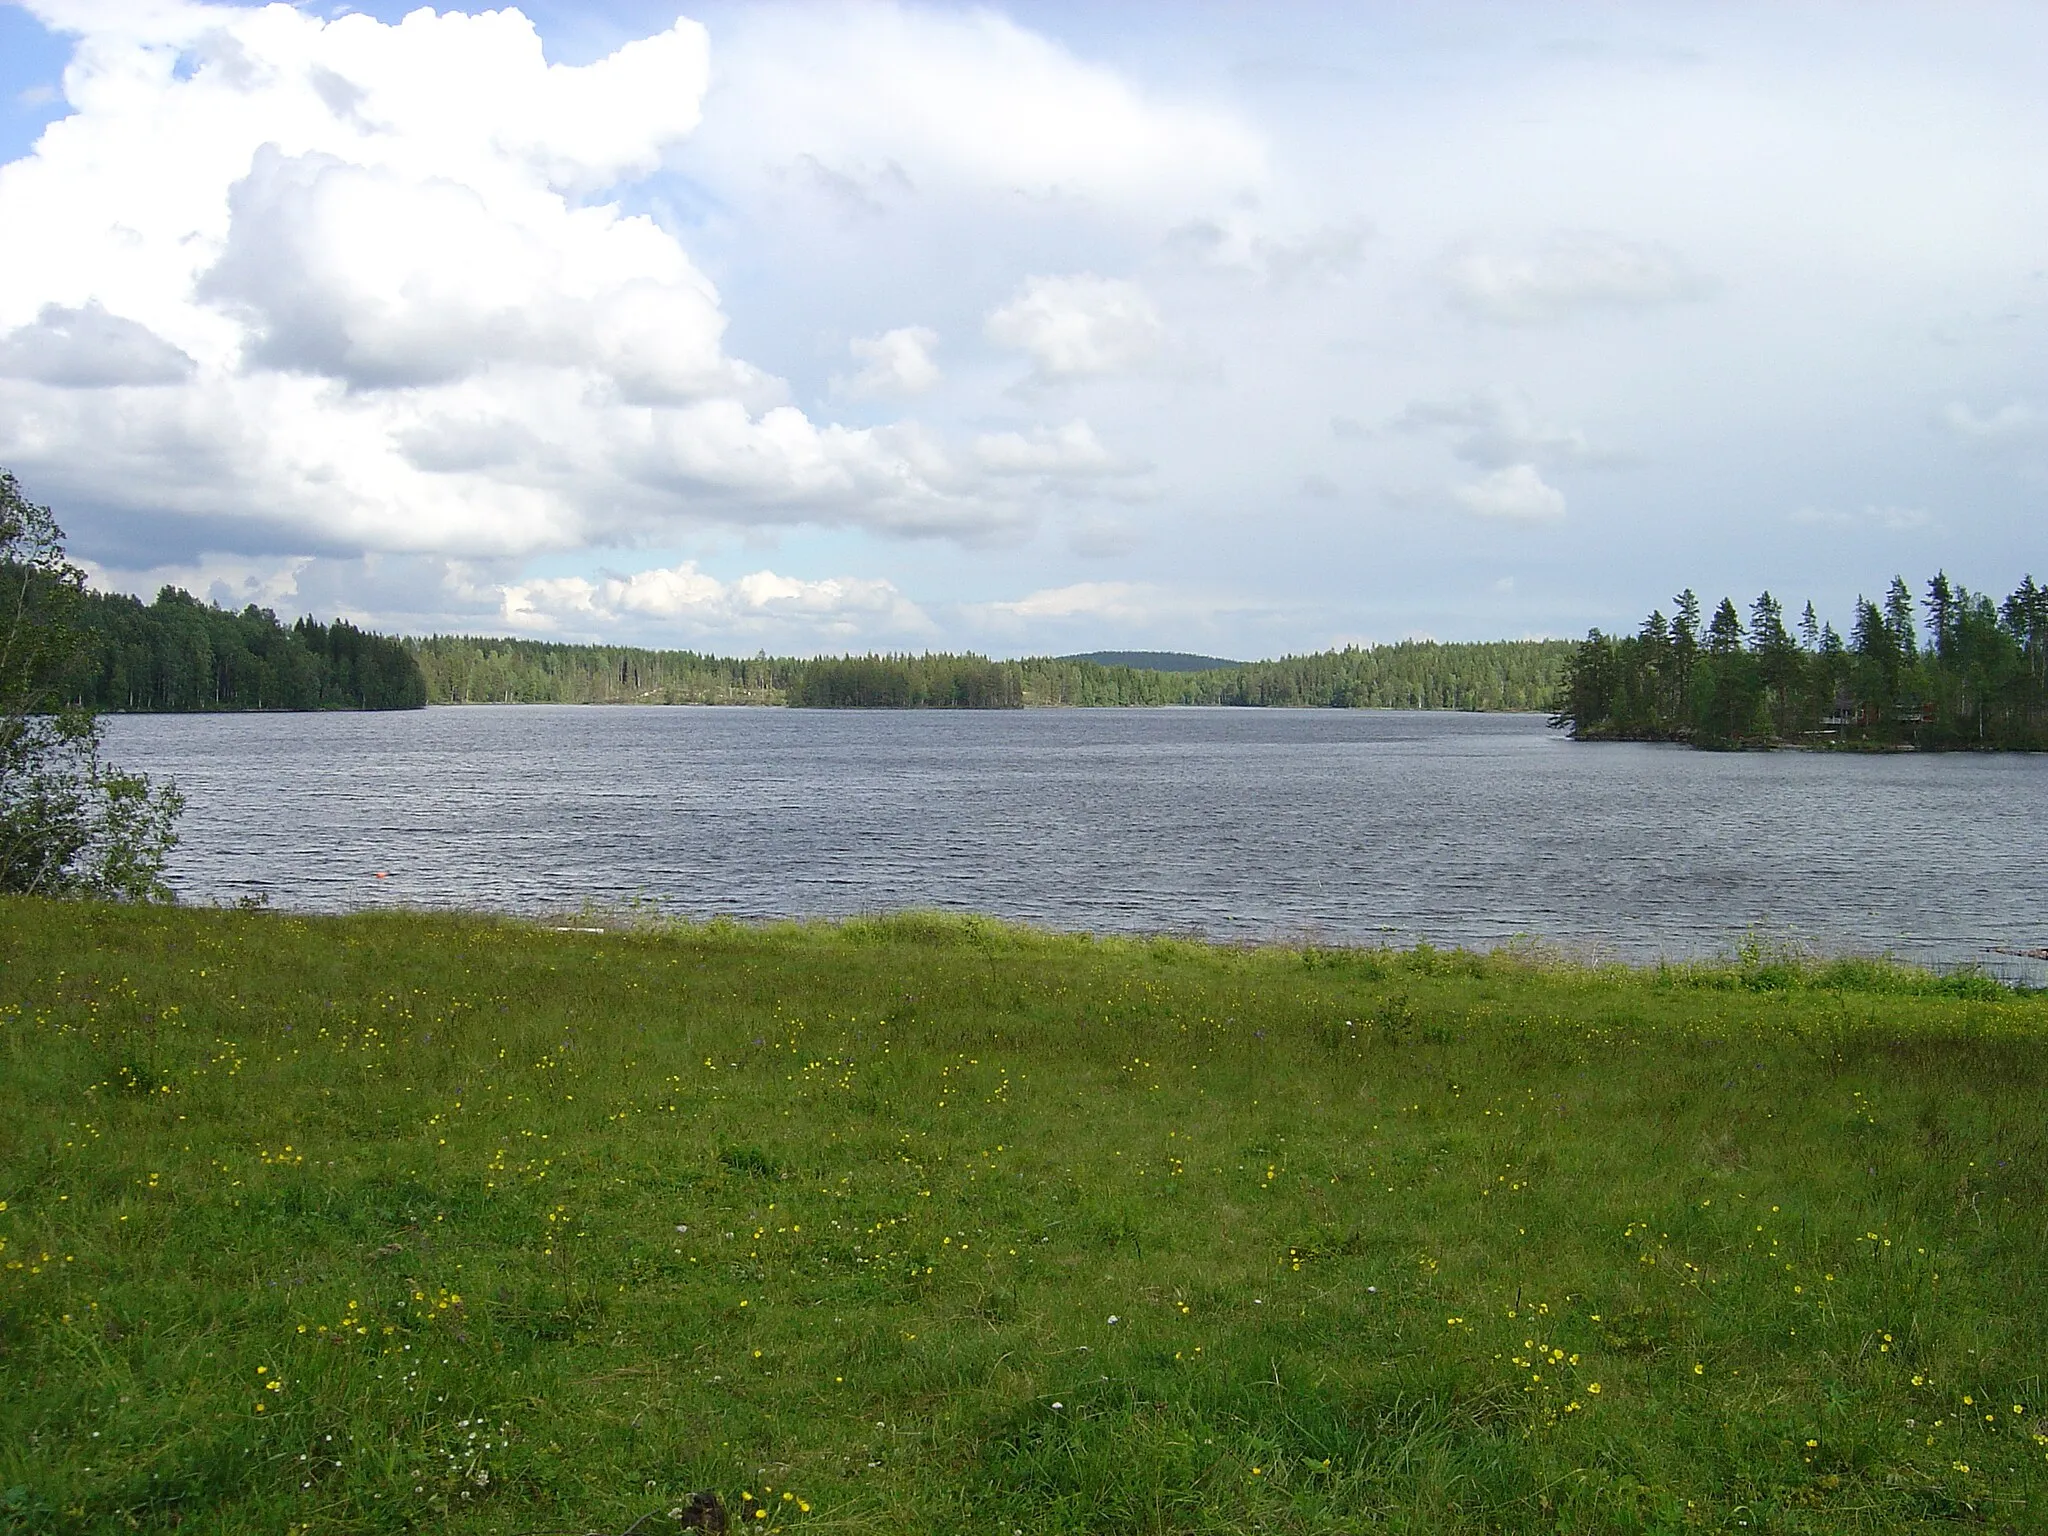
[913, 1225]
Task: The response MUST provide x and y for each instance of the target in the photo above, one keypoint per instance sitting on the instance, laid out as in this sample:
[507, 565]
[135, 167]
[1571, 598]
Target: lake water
[1346, 825]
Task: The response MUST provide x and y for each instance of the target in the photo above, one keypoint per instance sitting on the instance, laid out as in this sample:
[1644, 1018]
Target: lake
[1344, 825]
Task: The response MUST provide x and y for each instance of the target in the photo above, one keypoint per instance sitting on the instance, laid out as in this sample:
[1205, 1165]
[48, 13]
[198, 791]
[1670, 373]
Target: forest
[1504, 675]
[467, 669]
[907, 682]
[1978, 679]
[1414, 674]
[179, 654]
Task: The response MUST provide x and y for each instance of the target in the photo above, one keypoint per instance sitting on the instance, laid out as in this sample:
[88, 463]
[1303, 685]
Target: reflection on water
[1351, 825]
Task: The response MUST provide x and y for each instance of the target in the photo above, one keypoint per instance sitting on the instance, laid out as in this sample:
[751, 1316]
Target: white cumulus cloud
[382, 280]
[1078, 325]
[1516, 493]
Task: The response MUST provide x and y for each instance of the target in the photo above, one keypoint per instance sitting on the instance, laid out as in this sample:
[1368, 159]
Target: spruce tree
[1898, 617]
[1724, 633]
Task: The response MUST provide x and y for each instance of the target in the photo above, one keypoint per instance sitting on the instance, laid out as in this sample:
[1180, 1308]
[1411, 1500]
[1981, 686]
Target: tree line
[1978, 678]
[180, 654]
[466, 669]
[1492, 675]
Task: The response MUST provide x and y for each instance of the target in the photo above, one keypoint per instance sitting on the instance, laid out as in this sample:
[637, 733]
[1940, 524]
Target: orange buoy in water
[382, 876]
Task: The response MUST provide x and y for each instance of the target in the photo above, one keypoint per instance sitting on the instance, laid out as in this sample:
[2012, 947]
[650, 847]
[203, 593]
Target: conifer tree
[1941, 614]
[1898, 617]
[1724, 633]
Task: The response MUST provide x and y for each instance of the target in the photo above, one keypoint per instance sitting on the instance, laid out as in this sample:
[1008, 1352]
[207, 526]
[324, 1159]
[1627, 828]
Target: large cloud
[374, 278]
[315, 267]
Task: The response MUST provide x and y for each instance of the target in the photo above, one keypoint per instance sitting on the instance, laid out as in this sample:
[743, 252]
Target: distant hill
[1154, 661]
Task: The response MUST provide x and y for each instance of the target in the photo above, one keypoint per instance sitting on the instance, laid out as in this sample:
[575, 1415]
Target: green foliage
[1981, 681]
[1413, 674]
[461, 669]
[404, 1222]
[178, 653]
[907, 682]
[1499, 675]
[70, 824]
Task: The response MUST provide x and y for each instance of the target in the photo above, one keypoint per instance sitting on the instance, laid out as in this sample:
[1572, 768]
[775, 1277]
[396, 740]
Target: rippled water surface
[1352, 825]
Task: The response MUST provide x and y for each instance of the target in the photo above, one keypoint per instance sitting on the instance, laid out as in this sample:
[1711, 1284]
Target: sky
[1240, 329]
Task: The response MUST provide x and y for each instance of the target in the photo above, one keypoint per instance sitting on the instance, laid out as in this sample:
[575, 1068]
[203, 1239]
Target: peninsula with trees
[1977, 681]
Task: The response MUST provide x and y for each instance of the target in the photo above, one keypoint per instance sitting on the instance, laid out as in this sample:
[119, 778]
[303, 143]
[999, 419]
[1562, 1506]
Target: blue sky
[1236, 329]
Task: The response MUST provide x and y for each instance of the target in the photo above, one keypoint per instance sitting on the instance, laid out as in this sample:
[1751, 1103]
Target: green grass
[926, 1225]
